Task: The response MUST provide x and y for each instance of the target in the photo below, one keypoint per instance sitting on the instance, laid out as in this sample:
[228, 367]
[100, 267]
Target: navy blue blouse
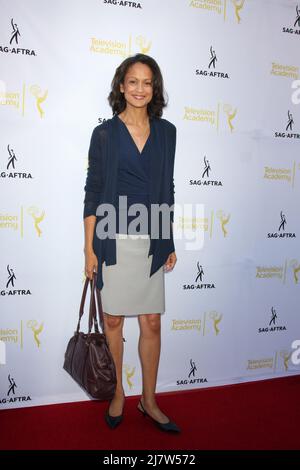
[133, 177]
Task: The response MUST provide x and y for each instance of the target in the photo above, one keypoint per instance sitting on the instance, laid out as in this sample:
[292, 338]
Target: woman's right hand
[91, 263]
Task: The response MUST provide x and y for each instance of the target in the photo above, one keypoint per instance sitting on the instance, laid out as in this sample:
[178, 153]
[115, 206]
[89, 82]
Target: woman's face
[137, 87]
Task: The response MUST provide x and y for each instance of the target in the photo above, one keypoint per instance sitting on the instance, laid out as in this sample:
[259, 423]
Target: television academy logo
[10, 285]
[289, 271]
[207, 324]
[271, 362]
[192, 378]
[14, 41]
[210, 71]
[295, 29]
[272, 324]
[11, 393]
[288, 133]
[15, 221]
[11, 166]
[281, 229]
[198, 284]
[282, 174]
[204, 180]
[119, 47]
[221, 8]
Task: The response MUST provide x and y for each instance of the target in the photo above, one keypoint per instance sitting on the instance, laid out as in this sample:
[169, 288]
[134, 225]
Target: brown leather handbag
[87, 358]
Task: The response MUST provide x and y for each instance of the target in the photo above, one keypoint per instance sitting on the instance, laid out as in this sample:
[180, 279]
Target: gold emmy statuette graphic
[296, 269]
[286, 357]
[237, 8]
[224, 221]
[33, 325]
[141, 42]
[40, 98]
[216, 318]
[230, 115]
[129, 374]
[33, 211]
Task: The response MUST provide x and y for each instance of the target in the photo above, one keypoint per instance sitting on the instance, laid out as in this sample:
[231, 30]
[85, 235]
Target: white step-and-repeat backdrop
[231, 71]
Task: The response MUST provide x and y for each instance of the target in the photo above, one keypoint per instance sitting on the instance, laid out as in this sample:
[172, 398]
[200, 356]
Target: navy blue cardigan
[101, 186]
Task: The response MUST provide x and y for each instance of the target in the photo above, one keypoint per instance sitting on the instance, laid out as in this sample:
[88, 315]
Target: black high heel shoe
[112, 421]
[170, 426]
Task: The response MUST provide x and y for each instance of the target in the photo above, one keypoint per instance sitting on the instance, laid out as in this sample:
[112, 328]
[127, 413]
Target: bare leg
[113, 325]
[149, 350]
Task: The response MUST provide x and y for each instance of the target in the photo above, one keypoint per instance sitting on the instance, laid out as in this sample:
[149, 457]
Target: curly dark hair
[116, 98]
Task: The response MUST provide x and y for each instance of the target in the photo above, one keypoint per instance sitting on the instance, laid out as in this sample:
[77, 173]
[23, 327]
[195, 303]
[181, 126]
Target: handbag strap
[92, 312]
[81, 308]
[100, 309]
[92, 309]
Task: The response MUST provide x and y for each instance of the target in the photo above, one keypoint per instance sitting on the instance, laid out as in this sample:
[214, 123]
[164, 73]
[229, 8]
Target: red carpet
[256, 415]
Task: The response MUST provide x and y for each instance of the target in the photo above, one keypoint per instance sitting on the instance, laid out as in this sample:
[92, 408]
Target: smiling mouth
[138, 97]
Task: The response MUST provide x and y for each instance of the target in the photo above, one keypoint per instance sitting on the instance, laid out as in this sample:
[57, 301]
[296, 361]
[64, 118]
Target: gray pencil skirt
[128, 288]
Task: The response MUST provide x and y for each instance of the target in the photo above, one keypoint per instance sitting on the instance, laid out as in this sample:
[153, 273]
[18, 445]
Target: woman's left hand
[171, 261]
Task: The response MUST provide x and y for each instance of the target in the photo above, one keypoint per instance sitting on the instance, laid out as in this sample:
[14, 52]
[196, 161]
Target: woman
[132, 154]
